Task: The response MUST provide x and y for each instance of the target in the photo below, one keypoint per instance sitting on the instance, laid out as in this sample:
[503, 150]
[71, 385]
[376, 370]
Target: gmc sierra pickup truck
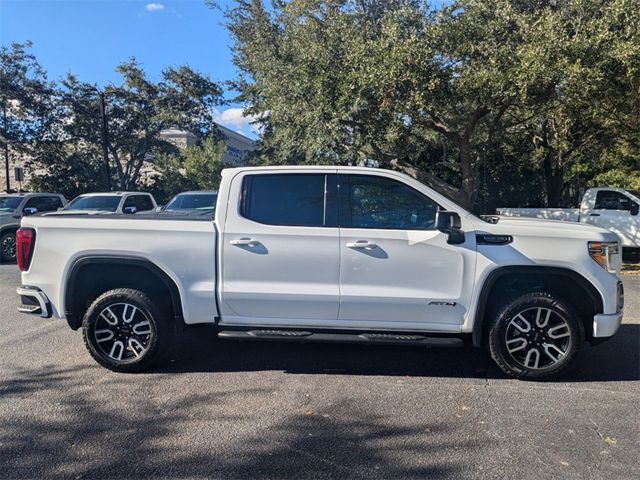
[326, 254]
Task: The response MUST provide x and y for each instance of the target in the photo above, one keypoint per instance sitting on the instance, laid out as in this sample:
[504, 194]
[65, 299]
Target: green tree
[27, 109]
[448, 94]
[570, 127]
[170, 178]
[137, 110]
[203, 164]
[349, 81]
[198, 167]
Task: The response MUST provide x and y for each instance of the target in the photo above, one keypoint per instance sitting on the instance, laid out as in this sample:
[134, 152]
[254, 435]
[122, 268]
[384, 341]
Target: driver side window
[368, 201]
[606, 200]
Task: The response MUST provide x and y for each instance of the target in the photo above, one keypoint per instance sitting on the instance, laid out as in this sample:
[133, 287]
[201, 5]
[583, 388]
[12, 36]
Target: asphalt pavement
[279, 410]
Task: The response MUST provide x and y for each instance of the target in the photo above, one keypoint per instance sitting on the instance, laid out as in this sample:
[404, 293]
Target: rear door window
[285, 199]
[51, 204]
[129, 202]
[143, 203]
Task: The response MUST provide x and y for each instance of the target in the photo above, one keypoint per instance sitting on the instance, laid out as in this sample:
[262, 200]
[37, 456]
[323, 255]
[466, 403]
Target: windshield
[192, 201]
[9, 204]
[107, 203]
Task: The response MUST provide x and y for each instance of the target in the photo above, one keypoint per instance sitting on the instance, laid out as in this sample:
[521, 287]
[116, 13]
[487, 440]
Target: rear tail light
[25, 242]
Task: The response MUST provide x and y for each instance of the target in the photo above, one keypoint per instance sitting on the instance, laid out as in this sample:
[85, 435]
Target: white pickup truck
[326, 254]
[615, 209]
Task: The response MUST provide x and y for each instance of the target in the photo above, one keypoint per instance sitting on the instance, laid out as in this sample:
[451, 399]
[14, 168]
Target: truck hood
[547, 228]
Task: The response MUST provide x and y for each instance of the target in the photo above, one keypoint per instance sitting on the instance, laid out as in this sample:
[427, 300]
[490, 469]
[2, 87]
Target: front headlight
[603, 252]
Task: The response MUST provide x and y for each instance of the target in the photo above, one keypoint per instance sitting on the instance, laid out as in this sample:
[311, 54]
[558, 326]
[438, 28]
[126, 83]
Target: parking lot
[252, 410]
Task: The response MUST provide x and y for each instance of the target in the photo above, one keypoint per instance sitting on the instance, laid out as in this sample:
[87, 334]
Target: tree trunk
[456, 194]
[470, 174]
[554, 181]
[6, 146]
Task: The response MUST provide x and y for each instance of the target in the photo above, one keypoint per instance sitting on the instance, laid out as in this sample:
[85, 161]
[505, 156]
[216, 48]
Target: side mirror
[29, 211]
[449, 223]
[635, 208]
[129, 210]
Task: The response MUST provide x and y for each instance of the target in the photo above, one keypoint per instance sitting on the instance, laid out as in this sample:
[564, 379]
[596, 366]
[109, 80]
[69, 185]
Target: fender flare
[70, 283]
[496, 274]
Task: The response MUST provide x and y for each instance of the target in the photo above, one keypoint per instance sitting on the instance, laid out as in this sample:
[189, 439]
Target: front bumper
[606, 325]
[34, 302]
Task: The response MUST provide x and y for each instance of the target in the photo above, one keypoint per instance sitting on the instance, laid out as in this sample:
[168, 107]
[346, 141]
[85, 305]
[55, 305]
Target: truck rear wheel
[125, 331]
[536, 336]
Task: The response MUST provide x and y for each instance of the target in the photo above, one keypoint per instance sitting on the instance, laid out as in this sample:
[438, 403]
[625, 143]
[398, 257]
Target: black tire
[137, 349]
[8, 247]
[558, 334]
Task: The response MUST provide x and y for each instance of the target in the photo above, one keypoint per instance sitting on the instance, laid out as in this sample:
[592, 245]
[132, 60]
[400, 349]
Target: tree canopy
[463, 96]
[57, 127]
[27, 112]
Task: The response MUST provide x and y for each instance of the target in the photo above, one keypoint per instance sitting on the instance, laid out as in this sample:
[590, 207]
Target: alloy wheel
[123, 332]
[9, 247]
[538, 338]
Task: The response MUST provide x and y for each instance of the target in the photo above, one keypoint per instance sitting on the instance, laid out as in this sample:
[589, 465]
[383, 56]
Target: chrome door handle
[594, 214]
[362, 244]
[244, 242]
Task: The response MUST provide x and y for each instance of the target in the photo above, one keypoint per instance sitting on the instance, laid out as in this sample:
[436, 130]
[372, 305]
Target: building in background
[238, 146]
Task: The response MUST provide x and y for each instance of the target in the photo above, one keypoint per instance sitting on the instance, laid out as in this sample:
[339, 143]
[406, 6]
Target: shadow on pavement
[81, 435]
[617, 359]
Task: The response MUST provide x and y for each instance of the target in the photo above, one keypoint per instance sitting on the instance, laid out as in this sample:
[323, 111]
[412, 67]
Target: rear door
[396, 270]
[280, 251]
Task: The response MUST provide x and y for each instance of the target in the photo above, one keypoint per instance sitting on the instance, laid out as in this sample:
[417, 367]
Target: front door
[396, 270]
[280, 251]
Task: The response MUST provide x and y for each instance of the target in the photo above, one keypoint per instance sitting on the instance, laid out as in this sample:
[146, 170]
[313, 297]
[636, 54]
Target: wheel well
[90, 278]
[510, 283]
[11, 229]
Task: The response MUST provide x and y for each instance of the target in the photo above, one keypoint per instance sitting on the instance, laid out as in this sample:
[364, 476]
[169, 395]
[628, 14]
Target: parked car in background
[615, 209]
[191, 203]
[112, 202]
[326, 254]
[13, 207]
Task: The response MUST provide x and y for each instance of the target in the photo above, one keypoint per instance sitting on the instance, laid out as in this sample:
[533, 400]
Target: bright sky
[90, 37]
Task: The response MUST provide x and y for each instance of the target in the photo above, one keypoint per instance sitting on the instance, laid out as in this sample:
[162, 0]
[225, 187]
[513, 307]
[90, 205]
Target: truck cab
[614, 209]
[112, 202]
[13, 207]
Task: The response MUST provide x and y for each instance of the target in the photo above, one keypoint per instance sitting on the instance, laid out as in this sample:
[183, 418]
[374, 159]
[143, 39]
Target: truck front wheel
[536, 336]
[125, 331]
[8, 247]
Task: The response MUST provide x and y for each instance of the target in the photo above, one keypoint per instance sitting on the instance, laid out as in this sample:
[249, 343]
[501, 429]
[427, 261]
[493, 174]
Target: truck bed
[183, 247]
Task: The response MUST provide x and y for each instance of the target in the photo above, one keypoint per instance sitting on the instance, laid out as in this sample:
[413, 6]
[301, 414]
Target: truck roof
[303, 167]
[118, 194]
[29, 194]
